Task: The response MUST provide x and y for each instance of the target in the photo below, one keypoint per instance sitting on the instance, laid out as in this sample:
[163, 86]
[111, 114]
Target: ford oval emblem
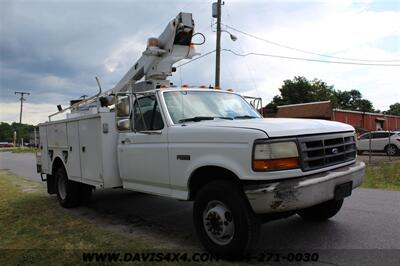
[335, 150]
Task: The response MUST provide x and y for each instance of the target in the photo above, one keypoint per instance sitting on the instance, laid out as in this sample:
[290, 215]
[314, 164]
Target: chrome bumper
[304, 192]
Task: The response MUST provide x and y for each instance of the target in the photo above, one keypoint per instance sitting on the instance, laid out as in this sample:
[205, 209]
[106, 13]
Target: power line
[305, 51]
[250, 71]
[197, 58]
[309, 59]
[287, 57]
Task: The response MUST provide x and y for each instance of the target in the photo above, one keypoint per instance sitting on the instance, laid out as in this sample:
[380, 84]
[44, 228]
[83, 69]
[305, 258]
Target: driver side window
[147, 115]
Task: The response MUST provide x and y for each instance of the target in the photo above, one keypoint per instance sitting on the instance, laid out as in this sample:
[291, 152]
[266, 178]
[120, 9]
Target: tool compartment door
[90, 150]
[73, 162]
[44, 159]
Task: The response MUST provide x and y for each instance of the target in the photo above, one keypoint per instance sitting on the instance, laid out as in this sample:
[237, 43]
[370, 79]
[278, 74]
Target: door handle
[127, 140]
[152, 132]
[83, 148]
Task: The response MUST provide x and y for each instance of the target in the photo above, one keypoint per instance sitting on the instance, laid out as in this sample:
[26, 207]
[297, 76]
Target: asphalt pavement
[22, 164]
[367, 228]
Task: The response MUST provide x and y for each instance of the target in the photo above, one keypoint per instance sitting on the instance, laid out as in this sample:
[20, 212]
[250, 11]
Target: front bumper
[295, 194]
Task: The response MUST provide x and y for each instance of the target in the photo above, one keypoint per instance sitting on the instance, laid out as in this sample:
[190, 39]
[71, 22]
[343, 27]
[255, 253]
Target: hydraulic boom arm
[156, 62]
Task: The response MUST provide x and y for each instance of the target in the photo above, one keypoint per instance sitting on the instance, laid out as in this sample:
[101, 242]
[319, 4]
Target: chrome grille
[327, 150]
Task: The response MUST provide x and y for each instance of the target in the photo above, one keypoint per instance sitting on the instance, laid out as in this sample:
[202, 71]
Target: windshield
[206, 105]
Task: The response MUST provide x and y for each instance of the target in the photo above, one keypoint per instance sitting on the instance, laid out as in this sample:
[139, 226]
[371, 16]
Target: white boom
[156, 62]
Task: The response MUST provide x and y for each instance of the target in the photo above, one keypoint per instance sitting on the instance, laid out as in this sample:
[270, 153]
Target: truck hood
[280, 127]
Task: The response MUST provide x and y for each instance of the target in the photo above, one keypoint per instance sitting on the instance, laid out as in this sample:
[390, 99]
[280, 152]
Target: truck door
[143, 152]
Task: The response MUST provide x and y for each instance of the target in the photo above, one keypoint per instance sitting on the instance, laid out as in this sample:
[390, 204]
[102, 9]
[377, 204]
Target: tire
[225, 202]
[391, 150]
[322, 211]
[67, 191]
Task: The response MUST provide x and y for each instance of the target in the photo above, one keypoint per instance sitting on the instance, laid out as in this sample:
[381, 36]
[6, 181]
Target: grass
[19, 150]
[383, 175]
[34, 229]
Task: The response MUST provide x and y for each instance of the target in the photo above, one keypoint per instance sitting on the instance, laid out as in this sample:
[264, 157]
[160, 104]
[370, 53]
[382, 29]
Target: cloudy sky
[54, 49]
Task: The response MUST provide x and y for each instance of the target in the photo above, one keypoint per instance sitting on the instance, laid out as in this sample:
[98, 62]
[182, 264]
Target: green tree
[352, 100]
[394, 109]
[6, 132]
[301, 90]
[23, 131]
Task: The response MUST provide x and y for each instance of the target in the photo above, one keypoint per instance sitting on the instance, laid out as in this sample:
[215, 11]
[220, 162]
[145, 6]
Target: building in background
[361, 121]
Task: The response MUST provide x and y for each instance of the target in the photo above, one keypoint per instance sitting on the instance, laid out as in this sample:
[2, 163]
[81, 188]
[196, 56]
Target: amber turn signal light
[276, 164]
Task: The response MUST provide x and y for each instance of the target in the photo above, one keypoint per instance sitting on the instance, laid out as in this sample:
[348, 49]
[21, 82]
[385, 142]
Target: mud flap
[51, 184]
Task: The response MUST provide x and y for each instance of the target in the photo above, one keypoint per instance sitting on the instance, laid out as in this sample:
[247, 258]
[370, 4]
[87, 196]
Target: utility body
[204, 145]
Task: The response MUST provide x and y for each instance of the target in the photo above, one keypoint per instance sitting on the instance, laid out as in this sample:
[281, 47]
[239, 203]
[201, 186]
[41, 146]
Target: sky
[54, 49]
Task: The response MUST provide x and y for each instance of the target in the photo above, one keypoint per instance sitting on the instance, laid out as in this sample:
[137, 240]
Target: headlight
[275, 156]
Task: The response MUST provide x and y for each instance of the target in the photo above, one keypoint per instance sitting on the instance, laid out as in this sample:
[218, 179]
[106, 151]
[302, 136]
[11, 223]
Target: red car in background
[6, 145]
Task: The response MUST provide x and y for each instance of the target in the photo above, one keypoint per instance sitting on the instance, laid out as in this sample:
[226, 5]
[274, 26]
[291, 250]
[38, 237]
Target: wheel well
[57, 163]
[207, 174]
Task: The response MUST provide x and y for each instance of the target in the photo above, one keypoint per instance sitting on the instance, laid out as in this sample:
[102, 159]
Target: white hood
[280, 127]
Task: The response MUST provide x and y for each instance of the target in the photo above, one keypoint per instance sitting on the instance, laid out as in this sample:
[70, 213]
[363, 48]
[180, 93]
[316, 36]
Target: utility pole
[218, 47]
[22, 99]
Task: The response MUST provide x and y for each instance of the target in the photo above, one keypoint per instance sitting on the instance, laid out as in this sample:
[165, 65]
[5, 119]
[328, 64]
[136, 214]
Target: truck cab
[188, 143]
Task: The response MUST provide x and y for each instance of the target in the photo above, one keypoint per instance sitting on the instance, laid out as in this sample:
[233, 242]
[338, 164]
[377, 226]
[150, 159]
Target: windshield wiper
[196, 119]
[245, 117]
[225, 117]
[201, 118]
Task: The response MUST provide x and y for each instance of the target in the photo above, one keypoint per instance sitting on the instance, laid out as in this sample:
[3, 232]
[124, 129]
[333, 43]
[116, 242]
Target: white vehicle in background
[198, 144]
[381, 141]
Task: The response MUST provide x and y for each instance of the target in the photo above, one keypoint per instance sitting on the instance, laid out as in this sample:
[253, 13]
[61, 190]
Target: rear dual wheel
[69, 193]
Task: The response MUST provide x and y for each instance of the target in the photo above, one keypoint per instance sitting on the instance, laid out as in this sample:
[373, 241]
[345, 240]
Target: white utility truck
[204, 145]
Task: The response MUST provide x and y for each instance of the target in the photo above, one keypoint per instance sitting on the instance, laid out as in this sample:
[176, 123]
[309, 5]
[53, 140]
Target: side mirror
[123, 112]
[123, 106]
[124, 124]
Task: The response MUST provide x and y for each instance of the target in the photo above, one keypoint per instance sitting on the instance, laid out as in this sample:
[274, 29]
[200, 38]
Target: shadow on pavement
[172, 219]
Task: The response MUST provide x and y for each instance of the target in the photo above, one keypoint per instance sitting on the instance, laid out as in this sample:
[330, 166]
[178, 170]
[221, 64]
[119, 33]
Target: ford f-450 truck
[204, 145]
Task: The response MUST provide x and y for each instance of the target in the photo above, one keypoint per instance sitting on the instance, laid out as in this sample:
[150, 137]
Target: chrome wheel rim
[218, 223]
[62, 188]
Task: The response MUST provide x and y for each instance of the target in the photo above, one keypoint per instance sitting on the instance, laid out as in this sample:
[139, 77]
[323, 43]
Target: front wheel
[322, 211]
[224, 220]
